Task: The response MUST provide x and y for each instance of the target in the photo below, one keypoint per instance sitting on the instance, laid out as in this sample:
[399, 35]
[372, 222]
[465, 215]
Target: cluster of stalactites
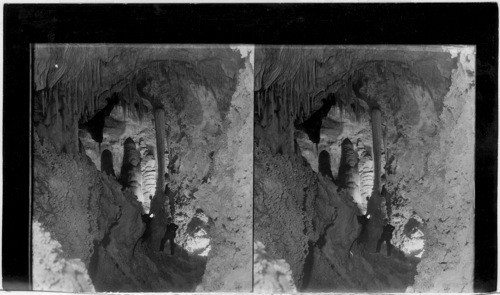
[294, 94]
[297, 98]
[79, 95]
[131, 103]
[83, 94]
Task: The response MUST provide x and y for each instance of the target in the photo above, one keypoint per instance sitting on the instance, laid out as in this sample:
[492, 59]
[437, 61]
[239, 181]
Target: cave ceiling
[310, 75]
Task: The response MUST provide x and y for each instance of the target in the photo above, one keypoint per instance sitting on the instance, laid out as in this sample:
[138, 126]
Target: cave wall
[207, 96]
[426, 96]
[271, 275]
[427, 102]
[281, 203]
[444, 197]
[429, 173]
[79, 214]
[227, 196]
[53, 271]
[98, 225]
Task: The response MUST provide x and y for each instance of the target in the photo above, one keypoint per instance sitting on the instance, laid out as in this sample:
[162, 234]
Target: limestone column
[377, 141]
[158, 203]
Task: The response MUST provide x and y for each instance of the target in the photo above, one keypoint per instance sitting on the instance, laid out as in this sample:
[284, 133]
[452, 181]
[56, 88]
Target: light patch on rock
[245, 51]
[271, 275]
[414, 244]
[52, 272]
[198, 243]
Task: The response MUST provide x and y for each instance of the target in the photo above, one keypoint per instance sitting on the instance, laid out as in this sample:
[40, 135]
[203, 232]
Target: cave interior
[383, 134]
[126, 136]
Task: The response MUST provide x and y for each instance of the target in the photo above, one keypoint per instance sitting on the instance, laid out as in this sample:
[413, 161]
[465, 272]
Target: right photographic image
[364, 168]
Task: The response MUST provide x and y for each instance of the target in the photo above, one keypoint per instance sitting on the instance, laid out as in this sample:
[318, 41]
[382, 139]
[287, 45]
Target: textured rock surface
[283, 192]
[103, 240]
[445, 197]
[426, 98]
[227, 196]
[271, 275]
[207, 97]
[53, 272]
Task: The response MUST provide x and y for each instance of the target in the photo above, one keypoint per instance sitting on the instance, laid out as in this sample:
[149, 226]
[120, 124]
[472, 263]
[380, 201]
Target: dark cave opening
[95, 125]
[107, 163]
[312, 126]
[324, 164]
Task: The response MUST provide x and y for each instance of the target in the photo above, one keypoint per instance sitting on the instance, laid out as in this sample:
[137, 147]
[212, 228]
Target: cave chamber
[127, 136]
[344, 133]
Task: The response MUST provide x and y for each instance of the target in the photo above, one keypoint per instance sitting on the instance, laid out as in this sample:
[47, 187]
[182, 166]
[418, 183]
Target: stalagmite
[348, 172]
[365, 168]
[131, 175]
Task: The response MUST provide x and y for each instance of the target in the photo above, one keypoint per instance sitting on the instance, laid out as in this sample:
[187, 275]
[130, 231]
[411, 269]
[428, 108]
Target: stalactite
[84, 89]
[56, 100]
[261, 103]
[307, 105]
[88, 89]
[290, 98]
[84, 98]
[64, 97]
[96, 77]
[258, 104]
[375, 203]
[159, 115]
[48, 108]
[79, 88]
[314, 73]
[76, 97]
[98, 64]
[91, 103]
[91, 75]
[82, 103]
[42, 95]
[71, 99]
[376, 134]
[311, 74]
[130, 91]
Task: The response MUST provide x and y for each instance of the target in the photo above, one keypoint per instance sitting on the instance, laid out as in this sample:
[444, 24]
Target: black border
[443, 23]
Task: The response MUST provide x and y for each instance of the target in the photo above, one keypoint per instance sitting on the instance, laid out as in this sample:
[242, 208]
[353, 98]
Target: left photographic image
[142, 168]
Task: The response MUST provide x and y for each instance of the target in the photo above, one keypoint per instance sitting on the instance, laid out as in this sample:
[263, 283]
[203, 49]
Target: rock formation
[393, 115]
[99, 165]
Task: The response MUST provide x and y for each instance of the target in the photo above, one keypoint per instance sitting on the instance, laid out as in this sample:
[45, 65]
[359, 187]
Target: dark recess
[95, 125]
[312, 126]
[324, 166]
